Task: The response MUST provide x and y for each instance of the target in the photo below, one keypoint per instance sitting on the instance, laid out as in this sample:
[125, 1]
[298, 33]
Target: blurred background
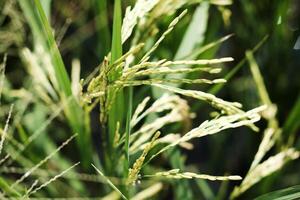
[80, 34]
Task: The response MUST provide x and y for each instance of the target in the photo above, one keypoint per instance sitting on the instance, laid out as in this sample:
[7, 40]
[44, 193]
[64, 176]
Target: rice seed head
[217, 125]
[264, 169]
[137, 166]
[138, 12]
[177, 110]
[170, 28]
[138, 110]
[176, 174]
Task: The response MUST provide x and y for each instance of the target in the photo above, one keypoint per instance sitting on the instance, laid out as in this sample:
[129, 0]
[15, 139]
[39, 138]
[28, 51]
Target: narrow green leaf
[5, 187]
[290, 193]
[60, 71]
[32, 18]
[205, 189]
[260, 85]
[116, 51]
[109, 182]
[116, 113]
[102, 27]
[292, 123]
[41, 28]
[46, 4]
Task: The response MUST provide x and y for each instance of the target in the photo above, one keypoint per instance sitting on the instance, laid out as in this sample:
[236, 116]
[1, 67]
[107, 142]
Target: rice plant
[125, 117]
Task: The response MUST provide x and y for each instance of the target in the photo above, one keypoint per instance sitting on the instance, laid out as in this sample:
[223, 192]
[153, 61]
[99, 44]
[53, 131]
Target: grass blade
[116, 47]
[117, 110]
[116, 52]
[292, 123]
[60, 71]
[283, 194]
[41, 27]
[110, 183]
[101, 23]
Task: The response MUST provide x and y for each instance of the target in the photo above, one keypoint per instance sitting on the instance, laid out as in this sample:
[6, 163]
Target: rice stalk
[99, 87]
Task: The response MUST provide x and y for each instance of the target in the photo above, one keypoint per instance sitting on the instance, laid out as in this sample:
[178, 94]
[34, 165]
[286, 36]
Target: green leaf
[110, 183]
[116, 114]
[60, 71]
[292, 123]
[290, 193]
[41, 28]
[102, 27]
[116, 51]
[5, 187]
